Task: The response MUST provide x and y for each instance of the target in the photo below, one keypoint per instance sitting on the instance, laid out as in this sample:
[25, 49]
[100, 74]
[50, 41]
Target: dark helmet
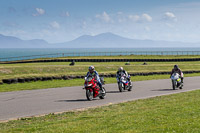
[176, 67]
[91, 68]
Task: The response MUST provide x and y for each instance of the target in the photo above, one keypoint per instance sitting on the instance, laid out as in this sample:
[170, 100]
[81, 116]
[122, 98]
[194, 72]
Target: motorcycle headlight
[89, 85]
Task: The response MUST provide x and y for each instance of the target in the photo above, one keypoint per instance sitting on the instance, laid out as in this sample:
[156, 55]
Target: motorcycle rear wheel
[89, 95]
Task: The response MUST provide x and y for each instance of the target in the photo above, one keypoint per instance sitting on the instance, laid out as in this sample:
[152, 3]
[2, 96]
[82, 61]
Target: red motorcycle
[92, 89]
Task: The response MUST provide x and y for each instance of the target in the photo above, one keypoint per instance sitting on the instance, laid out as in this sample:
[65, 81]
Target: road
[14, 105]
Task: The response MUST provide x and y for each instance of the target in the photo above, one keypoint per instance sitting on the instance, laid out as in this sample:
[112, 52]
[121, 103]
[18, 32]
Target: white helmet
[120, 69]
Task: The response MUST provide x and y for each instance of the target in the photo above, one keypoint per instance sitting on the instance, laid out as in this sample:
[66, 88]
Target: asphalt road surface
[14, 105]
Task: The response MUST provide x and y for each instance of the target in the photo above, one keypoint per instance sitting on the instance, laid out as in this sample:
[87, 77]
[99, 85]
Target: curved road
[19, 104]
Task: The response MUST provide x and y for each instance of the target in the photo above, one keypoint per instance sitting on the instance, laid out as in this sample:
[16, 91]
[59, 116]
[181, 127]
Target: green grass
[62, 68]
[171, 113]
[74, 82]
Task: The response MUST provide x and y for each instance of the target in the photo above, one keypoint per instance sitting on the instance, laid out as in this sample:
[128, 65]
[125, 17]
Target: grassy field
[171, 113]
[62, 68]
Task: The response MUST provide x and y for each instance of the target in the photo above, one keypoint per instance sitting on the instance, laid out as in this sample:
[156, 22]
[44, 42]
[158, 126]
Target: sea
[10, 54]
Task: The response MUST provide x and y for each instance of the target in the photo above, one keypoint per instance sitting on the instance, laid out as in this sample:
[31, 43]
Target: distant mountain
[14, 42]
[104, 40]
[101, 40]
[110, 40]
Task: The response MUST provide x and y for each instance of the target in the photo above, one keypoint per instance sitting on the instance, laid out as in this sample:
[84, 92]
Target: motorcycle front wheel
[89, 95]
[120, 87]
[181, 86]
[173, 84]
[130, 86]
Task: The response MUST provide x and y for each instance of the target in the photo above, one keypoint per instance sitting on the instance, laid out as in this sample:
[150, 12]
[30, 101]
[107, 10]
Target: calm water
[7, 53]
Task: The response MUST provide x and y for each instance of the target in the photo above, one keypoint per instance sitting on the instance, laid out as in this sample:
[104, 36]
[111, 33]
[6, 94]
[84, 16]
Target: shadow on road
[77, 100]
[163, 90]
[113, 92]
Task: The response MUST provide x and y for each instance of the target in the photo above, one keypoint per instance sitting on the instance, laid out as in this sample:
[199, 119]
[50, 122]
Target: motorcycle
[124, 83]
[92, 89]
[176, 81]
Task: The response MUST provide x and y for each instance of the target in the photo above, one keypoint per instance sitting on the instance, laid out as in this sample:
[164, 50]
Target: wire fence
[76, 54]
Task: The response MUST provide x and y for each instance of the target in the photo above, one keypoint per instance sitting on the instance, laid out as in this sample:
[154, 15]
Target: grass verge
[10, 71]
[74, 82]
[171, 113]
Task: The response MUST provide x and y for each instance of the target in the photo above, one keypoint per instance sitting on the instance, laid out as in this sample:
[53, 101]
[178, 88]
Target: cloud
[55, 25]
[146, 17]
[120, 17]
[143, 18]
[105, 17]
[16, 33]
[134, 18]
[39, 11]
[170, 16]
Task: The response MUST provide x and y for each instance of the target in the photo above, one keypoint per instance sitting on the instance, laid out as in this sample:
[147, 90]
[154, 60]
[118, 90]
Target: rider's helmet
[176, 67]
[120, 69]
[91, 69]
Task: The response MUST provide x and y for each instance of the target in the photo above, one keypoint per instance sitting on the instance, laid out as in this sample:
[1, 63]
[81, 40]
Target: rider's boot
[130, 82]
[102, 90]
[181, 82]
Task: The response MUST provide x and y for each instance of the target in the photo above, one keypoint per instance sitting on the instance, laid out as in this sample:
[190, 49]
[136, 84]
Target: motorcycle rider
[176, 69]
[92, 72]
[120, 72]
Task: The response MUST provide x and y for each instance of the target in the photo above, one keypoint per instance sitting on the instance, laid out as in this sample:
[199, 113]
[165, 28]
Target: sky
[64, 20]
